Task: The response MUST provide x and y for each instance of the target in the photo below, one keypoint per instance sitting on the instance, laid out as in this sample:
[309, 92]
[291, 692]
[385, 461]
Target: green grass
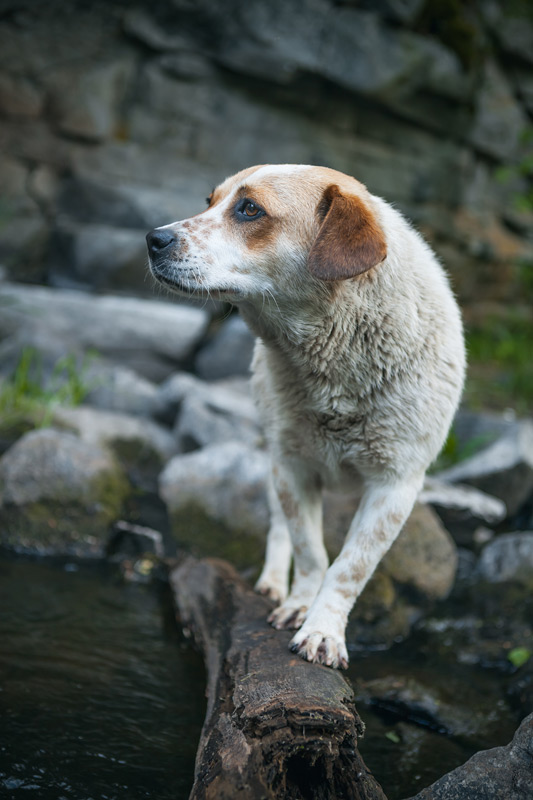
[24, 397]
[500, 356]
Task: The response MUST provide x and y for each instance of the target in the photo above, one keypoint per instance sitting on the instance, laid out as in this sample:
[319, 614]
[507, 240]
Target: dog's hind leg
[384, 508]
[274, 579]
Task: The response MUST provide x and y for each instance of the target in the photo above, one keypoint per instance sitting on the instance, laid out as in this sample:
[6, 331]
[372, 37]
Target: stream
[102, 699]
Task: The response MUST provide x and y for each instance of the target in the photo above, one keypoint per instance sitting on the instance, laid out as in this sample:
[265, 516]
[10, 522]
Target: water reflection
[98, 696]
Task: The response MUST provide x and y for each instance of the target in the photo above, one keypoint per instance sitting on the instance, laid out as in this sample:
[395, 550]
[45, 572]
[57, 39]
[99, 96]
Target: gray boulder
[462, 509]
[499, 120]
[85, 102]
[98, 257]
[59, 493]
[130, 437]
[508, 558]
[215, 413]
[171, 393]
[217, 501]
[502, 772]
[229, 353]
[504, 469]
[116, 388]
[150, 336]
[424, 556]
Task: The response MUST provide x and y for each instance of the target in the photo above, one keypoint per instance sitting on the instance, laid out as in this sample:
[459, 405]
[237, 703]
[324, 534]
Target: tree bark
[276, 726]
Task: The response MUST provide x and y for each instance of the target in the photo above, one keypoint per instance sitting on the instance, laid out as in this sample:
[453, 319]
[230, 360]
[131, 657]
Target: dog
[357, 372]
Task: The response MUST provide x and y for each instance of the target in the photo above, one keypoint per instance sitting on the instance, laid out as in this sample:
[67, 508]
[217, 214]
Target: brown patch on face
[257, 232]
[349, 241]
[288, 503]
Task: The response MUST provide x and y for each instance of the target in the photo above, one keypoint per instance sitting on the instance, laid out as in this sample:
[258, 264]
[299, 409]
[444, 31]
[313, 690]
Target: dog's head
[269, 231]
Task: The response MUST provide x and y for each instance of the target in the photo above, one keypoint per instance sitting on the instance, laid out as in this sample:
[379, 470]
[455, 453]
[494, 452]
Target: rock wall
[117, 117]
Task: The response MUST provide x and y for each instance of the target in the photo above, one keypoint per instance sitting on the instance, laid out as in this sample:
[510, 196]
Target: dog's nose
[158, 240]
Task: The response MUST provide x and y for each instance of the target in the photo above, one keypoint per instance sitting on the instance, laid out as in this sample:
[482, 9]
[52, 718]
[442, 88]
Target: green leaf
[518, 656]
[392, 736]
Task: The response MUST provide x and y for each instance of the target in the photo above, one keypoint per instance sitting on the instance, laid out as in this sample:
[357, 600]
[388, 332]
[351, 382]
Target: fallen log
[276, 726]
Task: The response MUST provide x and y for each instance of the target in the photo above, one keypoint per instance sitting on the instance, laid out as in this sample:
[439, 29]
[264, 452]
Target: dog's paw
[287, 617]
[320, 648]
[275, 589]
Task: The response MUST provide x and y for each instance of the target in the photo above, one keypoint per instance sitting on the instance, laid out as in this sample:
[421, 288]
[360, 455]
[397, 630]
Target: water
[99, 697]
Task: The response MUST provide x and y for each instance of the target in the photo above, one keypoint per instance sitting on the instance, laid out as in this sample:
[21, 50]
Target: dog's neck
[311, 334]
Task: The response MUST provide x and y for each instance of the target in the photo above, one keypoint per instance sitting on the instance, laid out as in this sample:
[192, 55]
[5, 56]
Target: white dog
[358, 367]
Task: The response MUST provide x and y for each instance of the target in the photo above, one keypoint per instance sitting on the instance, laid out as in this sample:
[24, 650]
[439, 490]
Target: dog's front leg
[300, 498]
[274, 579]
[383, 510]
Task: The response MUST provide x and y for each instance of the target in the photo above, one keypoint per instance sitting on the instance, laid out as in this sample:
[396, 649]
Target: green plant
[453, 451]
[499, 354]
[25, 395]
[522, 171]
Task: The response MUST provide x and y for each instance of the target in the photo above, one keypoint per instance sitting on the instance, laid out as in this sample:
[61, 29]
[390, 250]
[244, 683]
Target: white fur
[356, 381]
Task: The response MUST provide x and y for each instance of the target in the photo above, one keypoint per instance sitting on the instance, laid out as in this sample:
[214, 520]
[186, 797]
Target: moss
[136, 454]
[70, 525]
[202, 536]
[453, 23]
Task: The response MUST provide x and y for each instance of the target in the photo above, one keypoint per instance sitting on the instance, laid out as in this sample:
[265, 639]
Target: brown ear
[349, 241]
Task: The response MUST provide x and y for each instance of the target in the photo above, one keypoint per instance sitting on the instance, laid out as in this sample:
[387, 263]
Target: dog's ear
[350, 240]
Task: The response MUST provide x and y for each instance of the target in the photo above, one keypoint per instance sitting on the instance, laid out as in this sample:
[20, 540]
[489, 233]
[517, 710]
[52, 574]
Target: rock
[475, 430]
[513, 28]
[85, 103]
[217, 502]
[20, 97]
[131, 541]
[403, 11]
[58, 494]
[98, 257]
[502, 772]
[504, 469]
[149, 336]
[520, 688]
[499, 119]
[508, 557]
[229, 353]
[462, 509]
[212, 414]
[434, 706]
[479, 626]
[116, 388]
[132, 438]
[424, 556]
[170, 395]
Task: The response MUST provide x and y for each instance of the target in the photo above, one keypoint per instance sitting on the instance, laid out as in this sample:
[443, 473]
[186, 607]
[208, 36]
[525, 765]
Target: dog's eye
[251, 210]
[248, 210]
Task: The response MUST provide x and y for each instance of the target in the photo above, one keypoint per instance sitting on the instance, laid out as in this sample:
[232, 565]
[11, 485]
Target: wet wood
[276, 726]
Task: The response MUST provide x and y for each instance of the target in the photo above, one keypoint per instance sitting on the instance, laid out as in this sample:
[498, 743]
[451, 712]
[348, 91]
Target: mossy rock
[59, 494]
[203, 536]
